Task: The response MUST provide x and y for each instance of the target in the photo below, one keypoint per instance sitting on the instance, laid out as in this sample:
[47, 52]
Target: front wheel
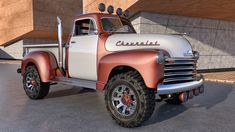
[128, 100]
[33, 86]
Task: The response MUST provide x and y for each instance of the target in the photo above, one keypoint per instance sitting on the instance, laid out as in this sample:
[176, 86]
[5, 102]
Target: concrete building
[209, 24]
[33, 22]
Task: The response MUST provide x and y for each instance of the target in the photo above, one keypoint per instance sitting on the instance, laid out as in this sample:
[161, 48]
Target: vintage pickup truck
[105, 53]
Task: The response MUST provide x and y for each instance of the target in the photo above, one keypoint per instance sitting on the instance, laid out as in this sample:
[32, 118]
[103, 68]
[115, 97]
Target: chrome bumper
[180, 87]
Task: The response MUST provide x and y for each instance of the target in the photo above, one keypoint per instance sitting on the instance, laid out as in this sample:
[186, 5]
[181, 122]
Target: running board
[75, 82]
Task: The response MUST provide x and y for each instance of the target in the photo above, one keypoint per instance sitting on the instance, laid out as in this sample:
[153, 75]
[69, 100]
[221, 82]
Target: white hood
[175, 45]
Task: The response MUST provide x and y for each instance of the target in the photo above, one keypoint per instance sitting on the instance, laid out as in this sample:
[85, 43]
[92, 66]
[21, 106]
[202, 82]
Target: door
[83, 50]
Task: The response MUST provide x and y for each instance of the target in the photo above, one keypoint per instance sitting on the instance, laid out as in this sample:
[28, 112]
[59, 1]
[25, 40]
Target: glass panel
[84, 27]
[112, 24]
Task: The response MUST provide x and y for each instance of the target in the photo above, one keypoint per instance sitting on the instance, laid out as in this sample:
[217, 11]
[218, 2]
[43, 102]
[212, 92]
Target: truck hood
[175, 45]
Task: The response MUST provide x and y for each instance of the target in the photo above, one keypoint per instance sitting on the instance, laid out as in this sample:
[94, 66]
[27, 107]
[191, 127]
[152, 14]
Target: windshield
[112, 24]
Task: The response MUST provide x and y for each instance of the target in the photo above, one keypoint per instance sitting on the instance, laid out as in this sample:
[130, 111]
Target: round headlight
[196, 54]
[160, 58]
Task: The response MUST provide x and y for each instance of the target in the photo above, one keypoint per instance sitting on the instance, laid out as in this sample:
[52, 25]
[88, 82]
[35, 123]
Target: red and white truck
[105, 53]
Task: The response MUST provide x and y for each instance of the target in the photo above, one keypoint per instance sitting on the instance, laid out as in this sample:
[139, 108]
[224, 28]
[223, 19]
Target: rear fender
[142, 61]
[44, 61]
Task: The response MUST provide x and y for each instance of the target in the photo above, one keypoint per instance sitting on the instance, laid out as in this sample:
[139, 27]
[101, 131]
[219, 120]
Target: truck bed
[53, 48]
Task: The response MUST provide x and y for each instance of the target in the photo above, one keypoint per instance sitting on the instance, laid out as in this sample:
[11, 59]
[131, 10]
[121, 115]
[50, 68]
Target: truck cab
[105, 53]
[87, 33]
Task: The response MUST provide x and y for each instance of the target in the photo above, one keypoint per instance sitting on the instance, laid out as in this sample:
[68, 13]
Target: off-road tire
[145, 99]
[174, 100]
[41, 88]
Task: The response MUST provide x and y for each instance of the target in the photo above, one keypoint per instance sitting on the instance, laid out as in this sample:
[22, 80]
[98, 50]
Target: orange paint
[142, 61]
[45, 63]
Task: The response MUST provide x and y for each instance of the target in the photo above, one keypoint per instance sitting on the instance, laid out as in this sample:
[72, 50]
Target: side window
[84, 27]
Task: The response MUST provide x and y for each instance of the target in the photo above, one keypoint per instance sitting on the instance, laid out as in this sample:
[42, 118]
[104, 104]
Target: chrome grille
[179, 70]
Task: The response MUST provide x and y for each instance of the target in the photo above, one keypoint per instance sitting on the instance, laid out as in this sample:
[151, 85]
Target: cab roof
[95, 15]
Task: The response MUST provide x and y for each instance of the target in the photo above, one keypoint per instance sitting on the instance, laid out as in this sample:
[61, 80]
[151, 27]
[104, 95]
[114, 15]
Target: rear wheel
[128, 100]
[33, 86]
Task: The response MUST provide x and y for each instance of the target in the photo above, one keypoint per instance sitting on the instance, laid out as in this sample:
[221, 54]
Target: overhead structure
[35, 19]
[215, 9]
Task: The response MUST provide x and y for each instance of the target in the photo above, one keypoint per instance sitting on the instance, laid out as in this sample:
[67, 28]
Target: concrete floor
[72, 109]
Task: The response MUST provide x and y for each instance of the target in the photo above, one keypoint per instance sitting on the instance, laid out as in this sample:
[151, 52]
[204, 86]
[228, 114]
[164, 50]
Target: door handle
[73, 42]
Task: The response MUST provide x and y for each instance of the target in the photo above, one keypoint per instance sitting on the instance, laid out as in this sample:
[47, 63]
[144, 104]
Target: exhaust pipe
[60, 50]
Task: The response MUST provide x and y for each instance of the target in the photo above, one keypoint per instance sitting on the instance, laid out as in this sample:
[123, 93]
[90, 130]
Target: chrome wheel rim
[124, 100]
[30, 84]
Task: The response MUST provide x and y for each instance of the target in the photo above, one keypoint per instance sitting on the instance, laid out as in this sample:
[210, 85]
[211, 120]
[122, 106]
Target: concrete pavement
[68, 108]
[224, 77]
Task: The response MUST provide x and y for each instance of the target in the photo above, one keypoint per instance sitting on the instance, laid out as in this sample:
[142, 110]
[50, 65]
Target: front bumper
[180, 87]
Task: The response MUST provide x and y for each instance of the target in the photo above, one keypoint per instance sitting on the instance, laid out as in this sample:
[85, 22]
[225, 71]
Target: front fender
[44, 61]
[143, 61]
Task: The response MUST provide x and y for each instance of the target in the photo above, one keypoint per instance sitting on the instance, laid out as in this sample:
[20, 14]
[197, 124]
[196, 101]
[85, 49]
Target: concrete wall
[45, 13]
[13, 51]
[90, 6]
[215, 9]
[20, 19]
[16, 19]
[33, 22]
[16, 50]
[214, 39]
